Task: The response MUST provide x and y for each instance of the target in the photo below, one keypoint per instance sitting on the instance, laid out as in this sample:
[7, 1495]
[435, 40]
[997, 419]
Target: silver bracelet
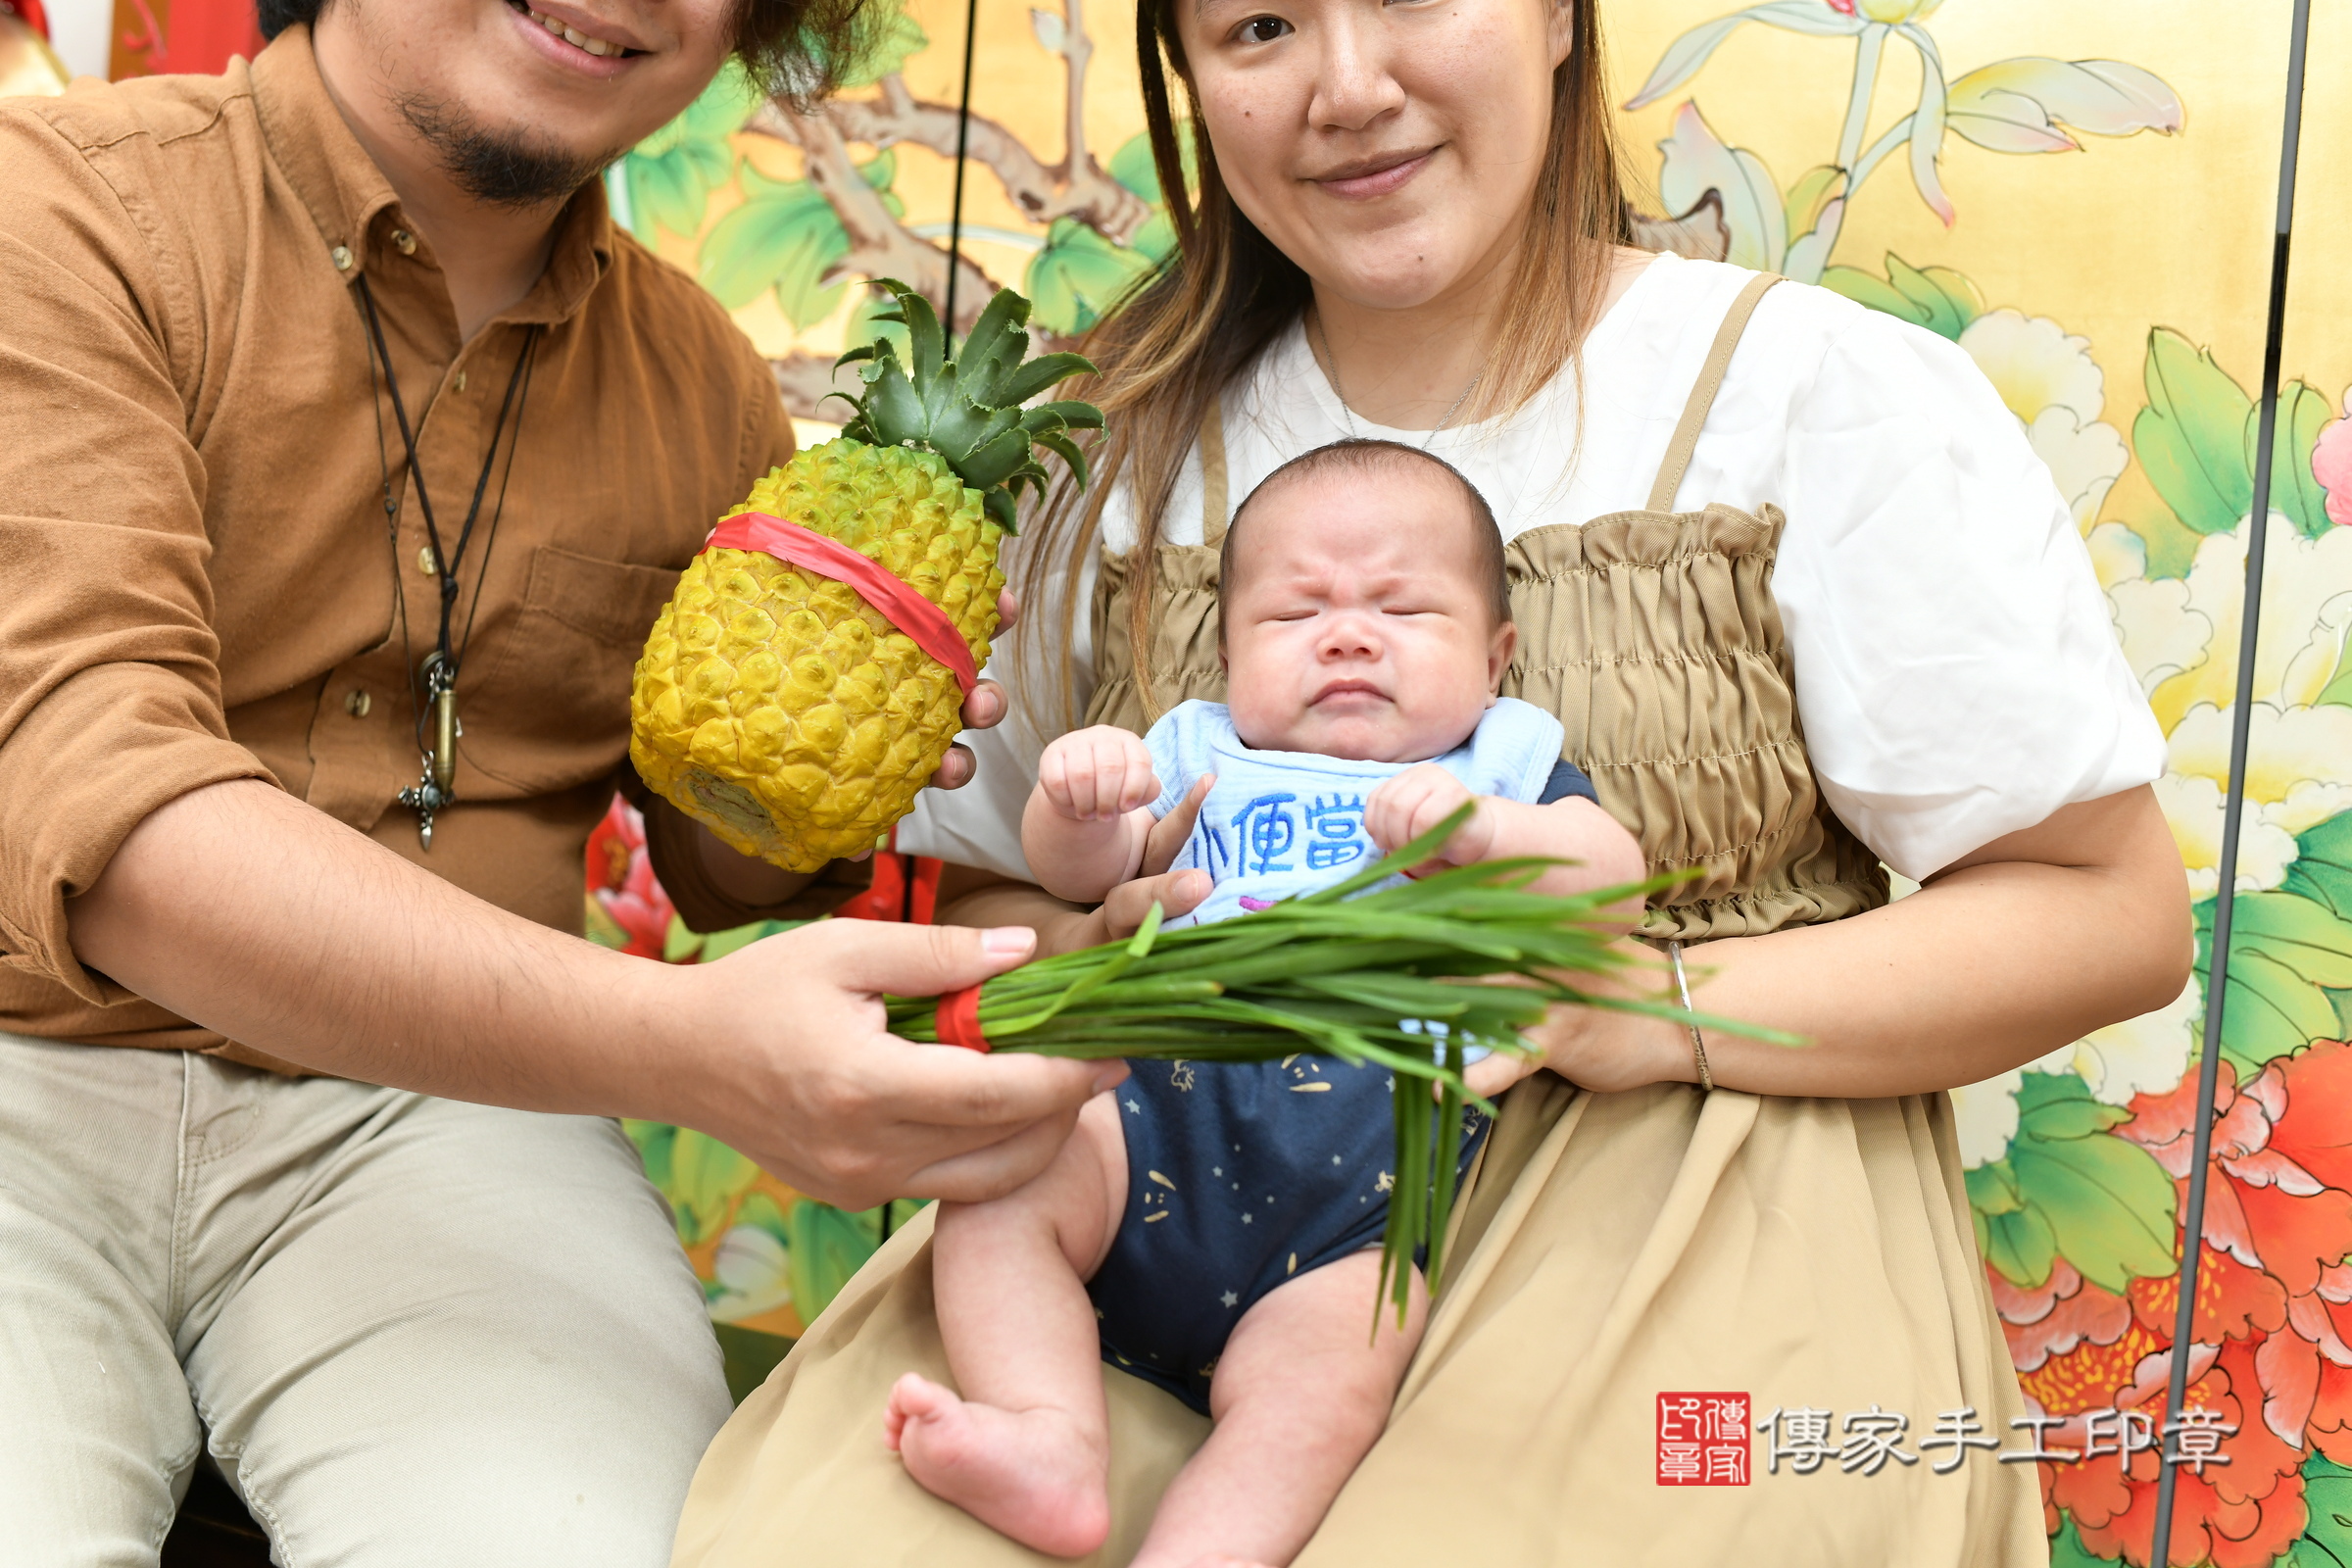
[1699, 1042]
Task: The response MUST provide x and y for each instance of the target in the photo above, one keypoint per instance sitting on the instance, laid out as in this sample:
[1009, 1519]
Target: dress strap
[1702, 395]
[1212, 474]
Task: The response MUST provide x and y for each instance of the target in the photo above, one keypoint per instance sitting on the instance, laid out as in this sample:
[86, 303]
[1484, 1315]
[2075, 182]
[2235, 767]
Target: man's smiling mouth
[570, 34]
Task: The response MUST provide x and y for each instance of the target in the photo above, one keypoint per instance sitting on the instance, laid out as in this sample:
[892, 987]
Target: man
[342, 426]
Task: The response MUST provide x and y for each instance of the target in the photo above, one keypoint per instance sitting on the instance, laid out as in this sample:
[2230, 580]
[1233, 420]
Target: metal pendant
[435, 789]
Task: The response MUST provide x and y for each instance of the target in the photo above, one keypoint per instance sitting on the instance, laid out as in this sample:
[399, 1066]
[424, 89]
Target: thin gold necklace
[1331, 373]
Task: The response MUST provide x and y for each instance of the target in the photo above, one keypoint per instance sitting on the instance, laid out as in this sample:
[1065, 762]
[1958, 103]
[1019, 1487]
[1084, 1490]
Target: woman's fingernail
[1110, 1077]
[1007, 941]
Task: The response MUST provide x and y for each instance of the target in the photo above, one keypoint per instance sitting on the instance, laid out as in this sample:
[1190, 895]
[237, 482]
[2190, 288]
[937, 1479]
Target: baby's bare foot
[1030, 1474]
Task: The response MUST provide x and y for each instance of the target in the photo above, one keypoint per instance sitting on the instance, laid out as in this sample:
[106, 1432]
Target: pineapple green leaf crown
[969, 409]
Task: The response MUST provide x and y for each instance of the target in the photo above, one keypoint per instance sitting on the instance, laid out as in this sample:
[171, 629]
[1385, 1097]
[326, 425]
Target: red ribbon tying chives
[958, 1019]
[918, 617]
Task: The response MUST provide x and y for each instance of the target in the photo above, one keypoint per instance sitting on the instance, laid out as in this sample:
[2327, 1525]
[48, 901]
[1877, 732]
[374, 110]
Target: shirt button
[341, 257]
[405, 240]
[424, 560]
[357, 704]
[460, 381]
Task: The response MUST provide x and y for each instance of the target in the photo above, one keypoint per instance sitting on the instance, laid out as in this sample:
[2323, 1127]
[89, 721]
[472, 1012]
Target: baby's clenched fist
[1405, 807]
[1094, 775]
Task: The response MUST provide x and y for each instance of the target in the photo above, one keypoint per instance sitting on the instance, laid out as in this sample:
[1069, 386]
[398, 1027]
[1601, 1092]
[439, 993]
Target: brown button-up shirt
[200, 579]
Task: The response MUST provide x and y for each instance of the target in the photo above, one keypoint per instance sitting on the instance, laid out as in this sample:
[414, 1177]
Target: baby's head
[1364, 611]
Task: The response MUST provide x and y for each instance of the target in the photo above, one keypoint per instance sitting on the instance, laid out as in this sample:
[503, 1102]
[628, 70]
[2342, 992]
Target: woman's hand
[1598, 1047]
[793, 1065]
[984, 709]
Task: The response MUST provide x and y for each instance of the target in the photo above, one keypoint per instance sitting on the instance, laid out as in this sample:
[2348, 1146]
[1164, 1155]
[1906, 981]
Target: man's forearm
[324, 948]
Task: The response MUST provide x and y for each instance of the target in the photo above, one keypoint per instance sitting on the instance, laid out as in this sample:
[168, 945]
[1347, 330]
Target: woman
[1850, 623]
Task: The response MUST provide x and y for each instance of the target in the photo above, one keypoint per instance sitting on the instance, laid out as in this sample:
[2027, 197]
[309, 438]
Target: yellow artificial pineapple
[795, 713]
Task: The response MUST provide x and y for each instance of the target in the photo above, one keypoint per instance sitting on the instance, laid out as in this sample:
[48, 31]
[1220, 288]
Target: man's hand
[799, 1072]
[1097, 774]
[1409, 804]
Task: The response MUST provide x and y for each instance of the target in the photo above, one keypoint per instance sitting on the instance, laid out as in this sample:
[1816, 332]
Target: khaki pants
[407, 1330]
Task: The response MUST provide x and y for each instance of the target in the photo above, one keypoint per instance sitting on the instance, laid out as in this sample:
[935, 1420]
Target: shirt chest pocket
[552, 711]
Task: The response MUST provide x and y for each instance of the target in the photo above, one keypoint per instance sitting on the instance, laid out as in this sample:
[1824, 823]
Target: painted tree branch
[1077, 187]
[879, 244]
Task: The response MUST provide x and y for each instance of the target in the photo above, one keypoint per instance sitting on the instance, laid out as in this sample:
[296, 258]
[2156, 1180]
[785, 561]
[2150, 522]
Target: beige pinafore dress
[1810, 1255]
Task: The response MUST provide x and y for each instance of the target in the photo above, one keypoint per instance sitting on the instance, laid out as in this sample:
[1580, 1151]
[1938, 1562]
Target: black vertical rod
[2217, 966]
[964, 126]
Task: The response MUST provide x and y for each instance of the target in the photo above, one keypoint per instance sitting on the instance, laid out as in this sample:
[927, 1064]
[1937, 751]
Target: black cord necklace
[435, 789]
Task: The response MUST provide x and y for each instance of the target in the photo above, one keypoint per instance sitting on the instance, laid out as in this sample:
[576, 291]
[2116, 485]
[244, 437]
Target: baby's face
[1357, 627]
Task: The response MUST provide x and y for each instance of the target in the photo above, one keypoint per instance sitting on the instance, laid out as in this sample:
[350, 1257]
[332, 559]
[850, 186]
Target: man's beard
[503, 168]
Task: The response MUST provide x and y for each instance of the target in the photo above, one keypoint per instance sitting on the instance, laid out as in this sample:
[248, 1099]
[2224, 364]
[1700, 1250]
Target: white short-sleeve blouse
[1957, 673]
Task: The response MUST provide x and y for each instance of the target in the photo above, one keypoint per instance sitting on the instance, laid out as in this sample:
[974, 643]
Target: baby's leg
[1300, 1396]
[1026, 1449]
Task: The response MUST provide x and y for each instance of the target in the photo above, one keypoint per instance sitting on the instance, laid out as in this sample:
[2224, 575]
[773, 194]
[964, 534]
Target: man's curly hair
[795, 48]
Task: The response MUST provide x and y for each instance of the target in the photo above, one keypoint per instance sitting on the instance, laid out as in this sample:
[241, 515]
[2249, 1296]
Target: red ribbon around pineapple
[958, 1019]
[918, 617]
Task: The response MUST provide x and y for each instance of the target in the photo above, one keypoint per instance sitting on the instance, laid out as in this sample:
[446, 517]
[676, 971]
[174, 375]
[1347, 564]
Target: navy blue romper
[1239, 1176]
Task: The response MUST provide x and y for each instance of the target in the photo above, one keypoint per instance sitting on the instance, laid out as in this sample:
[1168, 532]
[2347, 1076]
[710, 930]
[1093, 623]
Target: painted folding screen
[2082, 198]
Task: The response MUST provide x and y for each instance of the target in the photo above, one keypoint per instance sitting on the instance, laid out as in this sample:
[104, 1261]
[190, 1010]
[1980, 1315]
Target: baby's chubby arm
[1088, 821]
[1418, 799]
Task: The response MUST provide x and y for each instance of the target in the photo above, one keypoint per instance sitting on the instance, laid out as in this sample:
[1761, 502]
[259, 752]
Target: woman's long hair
[1196, 324]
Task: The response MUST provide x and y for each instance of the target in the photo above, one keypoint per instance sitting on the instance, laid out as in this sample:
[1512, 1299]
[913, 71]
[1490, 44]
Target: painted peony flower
[2273, 1318]
[624, 896]
[2056, 389]
[2180, 636]
[2332, 466]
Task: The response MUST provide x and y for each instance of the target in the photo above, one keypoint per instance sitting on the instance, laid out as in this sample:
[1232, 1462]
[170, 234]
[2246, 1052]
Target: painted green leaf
[1077, 277]
[2108, 1204]
[680, 945]
[602, 929]
[2326, 1542]
[764, 1212]
[718, 944]
[653, 1141]
[1814, 189]
[2294, 489]
[2305, 935]
[671, 174]
[672, 192]
[1950, 299]
[2190, 438]
[2022, 1245]
[1870, 290]
[2323, 868]
[827, 1247]
[2171, 544]
[1684, 55]
[2018, 105]
[1132, 165]
[1696, 161]
[706, 1177]
[891, 41]
[783, 237]
[2068, 1551]
[2286, 948]
[1992, 1188]
[1936, 298]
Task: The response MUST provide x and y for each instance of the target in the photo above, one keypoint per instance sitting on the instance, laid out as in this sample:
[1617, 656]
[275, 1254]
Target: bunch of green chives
[1365, 976]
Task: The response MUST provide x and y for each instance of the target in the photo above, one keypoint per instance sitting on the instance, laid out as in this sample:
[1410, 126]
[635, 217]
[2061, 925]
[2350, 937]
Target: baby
[1214, 1228]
